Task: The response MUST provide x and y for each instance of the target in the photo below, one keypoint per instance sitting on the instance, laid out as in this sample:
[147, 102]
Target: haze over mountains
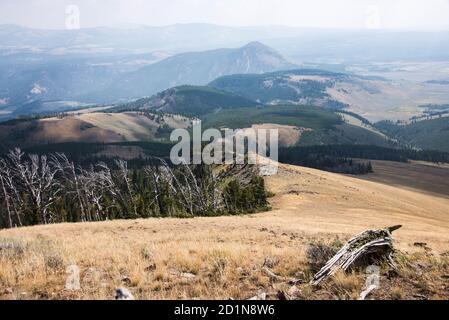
[90, 64]
[301, 43]
[197, 70]
[99, 142]
[94, 81]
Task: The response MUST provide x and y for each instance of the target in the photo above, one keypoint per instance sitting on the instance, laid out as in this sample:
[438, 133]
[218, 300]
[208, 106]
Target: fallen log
[366, 248]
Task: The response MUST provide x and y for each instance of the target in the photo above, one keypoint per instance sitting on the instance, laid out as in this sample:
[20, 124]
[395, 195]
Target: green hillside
[326, 126]
[344, 134]
[284, 86]
[292, 115]
[427, 134]
[191, 101]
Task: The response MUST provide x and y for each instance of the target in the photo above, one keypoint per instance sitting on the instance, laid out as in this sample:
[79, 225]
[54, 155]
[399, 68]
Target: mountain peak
[257, 45]
[200, 68]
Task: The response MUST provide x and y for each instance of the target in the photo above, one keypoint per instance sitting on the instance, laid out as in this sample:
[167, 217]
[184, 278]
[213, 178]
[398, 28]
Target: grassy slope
[190, 101]
[428, 134]
[299, 116]
[86, 128]
[197, 101]
[327, 126]
[226, 254]
[275, 86]
[344, 134]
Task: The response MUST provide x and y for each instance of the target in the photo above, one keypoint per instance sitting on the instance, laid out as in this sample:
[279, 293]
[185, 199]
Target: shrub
[318, 254]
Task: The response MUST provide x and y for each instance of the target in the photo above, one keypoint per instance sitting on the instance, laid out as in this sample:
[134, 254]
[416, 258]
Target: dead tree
[123, 176]
[95, 185]
[194, 188]
[368, 247]
[179, 186]
[91, 191]
[37, 178]
[6, 196]
[70, 179]
[14, 202]
[155, 178]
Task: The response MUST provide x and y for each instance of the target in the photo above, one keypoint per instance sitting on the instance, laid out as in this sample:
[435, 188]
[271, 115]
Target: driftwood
[367, 246]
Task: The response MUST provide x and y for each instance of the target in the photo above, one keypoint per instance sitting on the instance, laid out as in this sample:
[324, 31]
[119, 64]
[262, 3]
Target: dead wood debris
[368, 247]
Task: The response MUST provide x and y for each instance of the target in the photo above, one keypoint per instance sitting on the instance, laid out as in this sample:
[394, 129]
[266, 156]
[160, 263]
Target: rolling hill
[306, 125]
[29, 84]
[135, 121]
[181, 255]
[191, 101]
[96, 127]
[294, 86]
[426, 134]
[374, 98]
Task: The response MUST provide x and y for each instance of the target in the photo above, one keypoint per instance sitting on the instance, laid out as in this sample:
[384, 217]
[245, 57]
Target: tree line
[371, 152]
[325, 162]
[45, 189]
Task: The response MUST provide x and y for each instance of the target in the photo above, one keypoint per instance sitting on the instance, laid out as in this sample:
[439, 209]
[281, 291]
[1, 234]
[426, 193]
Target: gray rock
[123, 294]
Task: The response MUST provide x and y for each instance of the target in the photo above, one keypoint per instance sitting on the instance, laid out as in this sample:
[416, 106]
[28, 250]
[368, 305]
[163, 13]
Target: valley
[416, 176]
[374, 98]
[57, 78]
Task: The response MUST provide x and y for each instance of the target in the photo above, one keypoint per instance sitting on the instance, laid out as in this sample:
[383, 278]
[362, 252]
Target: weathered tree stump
[367, 248]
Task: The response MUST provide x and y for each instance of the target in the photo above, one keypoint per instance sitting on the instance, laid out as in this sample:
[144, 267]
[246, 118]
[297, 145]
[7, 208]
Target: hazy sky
[390, 14]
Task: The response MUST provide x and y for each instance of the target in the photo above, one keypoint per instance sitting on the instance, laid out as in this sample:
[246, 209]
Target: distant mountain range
[306, 44]
[27, 89]
[176, 38]
[45, 71]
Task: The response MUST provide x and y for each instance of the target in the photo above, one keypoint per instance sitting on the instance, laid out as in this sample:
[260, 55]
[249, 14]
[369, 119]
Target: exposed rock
[187, 275]
[294, 292]
[123, 294]
[260, 296]
[8, 291]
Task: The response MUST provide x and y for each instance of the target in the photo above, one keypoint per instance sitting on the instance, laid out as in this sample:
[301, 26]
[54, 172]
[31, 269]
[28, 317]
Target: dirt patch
[423, 177]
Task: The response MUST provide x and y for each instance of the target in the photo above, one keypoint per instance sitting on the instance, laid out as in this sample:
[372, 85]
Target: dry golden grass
[288, 135]
[222, 257]
[88, 127]
[380, 100]
[416, 176]
[53, 130]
